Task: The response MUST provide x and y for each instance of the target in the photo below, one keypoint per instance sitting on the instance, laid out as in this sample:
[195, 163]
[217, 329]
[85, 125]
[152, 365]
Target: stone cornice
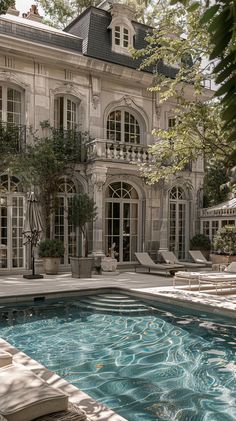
[52, 55]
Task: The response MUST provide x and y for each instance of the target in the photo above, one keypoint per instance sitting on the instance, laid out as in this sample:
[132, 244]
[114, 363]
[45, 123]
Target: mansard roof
[34, 31]
[93, 27]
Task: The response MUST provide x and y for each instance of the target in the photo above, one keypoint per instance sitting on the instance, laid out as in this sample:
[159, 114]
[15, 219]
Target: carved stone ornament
[95, 101]
[98, 180]
[67, 88]
[12, 78]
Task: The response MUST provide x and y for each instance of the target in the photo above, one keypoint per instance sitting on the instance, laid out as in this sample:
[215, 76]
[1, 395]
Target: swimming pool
[145, 363]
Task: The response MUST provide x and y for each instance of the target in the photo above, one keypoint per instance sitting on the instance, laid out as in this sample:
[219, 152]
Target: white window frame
[4, 105]
[75, 113]
[122, 121]
[123, 23]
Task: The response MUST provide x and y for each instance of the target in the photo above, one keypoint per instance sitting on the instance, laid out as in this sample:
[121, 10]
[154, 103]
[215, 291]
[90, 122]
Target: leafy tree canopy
[199, 130]
[4, 4]
[220, 19]
[60, 13]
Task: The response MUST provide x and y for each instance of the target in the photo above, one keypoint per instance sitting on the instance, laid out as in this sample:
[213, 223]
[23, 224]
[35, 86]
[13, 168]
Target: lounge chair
[198, 257]
[170, 258]
[145, 260]
[227, 278]
[24, 396]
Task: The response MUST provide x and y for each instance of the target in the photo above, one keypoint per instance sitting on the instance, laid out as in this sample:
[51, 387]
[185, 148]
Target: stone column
[164, 219]
[98, 179]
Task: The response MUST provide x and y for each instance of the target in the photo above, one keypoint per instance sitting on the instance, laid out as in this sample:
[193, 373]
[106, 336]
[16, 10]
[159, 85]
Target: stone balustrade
[116, 151]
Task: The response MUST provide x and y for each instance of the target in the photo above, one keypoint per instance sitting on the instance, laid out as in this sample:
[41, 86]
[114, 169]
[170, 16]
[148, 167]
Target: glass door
[121, 220]
[178, 223]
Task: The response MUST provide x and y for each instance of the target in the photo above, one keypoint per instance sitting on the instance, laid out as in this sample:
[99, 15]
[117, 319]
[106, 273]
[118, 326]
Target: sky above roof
[24, 5]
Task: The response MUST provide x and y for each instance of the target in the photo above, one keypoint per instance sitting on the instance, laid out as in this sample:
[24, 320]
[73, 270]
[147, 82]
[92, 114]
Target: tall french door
[121, 221]
[63, 229]
[12, 252]
[178, 222]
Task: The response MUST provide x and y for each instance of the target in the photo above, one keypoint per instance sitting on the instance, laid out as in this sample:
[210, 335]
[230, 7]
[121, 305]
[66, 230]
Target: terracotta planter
[51, 265]
[223, 259]
[81, 267]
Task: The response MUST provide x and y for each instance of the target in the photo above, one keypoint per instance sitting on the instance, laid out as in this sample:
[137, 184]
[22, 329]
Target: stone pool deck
[15, 288]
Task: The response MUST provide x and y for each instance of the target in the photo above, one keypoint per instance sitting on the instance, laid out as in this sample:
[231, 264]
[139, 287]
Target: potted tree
[201, 242]
[83, 211]
[51, 251]
[224, 245]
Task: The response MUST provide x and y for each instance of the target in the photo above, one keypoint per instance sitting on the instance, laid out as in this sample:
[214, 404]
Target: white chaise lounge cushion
[5, 358]
[25, 396]
[190, 275]
[231, 267]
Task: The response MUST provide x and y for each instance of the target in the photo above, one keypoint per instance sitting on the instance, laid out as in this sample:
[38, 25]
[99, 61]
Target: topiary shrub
[200, 242]
[51, 248]
[224, 241]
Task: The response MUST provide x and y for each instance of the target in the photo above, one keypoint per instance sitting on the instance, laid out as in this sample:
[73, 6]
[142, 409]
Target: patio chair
[198, 257]
[145, 261]
[170, 258]
[24, 396]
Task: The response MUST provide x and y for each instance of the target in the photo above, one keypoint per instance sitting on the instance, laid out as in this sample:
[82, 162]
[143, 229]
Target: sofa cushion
[25, 396]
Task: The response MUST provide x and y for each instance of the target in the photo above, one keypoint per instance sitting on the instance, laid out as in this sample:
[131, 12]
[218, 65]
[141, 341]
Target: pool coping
[213, 304]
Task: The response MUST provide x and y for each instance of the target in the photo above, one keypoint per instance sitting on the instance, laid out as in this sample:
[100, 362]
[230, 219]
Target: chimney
[33, 14]
[12, 10]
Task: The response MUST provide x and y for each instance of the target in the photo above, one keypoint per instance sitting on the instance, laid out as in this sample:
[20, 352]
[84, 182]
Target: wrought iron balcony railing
[12, 138]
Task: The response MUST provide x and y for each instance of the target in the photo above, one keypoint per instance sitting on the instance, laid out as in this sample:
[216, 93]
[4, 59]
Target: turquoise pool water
[158, 364]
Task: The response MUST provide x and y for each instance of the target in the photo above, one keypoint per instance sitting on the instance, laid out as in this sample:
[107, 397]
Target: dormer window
[122, 28]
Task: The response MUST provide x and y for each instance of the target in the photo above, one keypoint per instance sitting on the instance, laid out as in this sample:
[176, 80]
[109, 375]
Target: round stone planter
[51, 265]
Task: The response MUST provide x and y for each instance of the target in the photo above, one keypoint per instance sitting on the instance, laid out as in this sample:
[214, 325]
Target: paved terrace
[15, 288]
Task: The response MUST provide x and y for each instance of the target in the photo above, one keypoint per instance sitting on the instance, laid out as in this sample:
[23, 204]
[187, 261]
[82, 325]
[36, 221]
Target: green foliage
[60, 13]
[51, 248]
[200, 131]
[83, 210]
[224, 241]
[200, 242]
[220, 21]
[4, 5]
[44, 162]
[216, 188]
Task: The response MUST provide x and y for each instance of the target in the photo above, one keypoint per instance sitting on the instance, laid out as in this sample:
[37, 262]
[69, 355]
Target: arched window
[121, 220]
[11, 223]
[10, 105]
[178, 221]
[123, 126]
[66, 112]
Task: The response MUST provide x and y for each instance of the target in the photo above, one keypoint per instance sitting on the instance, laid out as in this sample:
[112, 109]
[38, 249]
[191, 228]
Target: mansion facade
[84, 78]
